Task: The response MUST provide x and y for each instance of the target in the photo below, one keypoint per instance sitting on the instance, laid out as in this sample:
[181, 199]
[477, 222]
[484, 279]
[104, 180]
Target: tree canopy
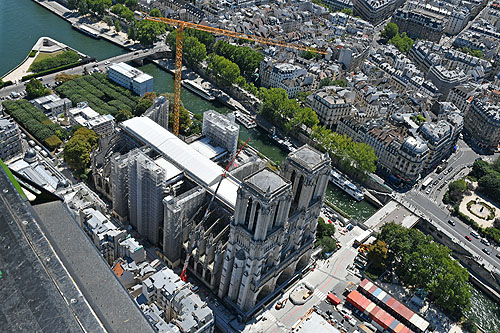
[390, 31]
[85, 6]
[35, 122]
[285, 113]
[77, 150]
[352, 157]
[247, 59]
[224, 70]
[35, 89]
[377, 254]
[123, 12]
[488, 176]
[330, 82]
[402, 42]
[155, 12]
[194, 51]
[324, 233]
[148, 31]
[456, 191]
[419, 262]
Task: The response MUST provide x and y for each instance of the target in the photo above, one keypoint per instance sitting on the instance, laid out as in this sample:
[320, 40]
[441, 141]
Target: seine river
[22, 22]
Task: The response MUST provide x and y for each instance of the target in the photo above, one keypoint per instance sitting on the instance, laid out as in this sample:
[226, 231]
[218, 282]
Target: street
[431, 203]
[51, 78]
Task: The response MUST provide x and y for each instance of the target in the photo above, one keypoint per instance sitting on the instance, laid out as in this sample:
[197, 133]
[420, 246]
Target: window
[248, 211]
[256, 217]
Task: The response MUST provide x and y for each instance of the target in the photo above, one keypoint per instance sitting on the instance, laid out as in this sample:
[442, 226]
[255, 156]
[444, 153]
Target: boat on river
[198, 90]
[244, 119]
[346, 185]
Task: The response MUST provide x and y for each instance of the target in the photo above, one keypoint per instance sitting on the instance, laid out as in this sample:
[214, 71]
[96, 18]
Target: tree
[403, 43]
[184, 121]
[132, 4]
[247, 59]
[304, 116]
[456, 190]
[123, 115]
[77, 150]
[118, 26]
[240, 81]
[72, 4]
[354, 158]
[224, 70]
[99, 6]
[330, 82]
[390, 31]
[302, 96]
[83, 7]
[132, 32]
[155, 12]
[148, 31]
[469, 325]
[108, 20]
[324, 229]
[480, 168]
[35, 89]
[142, 106]
[307, 55]
[419, 262]
[151, 95]
[496, 164]
[377, 254]
[490, 185]
[194, 51]
[347, 11]
[328, 244]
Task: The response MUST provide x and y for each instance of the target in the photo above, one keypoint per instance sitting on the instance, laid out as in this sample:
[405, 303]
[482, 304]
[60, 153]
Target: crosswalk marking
[270, 317]
[319, 294]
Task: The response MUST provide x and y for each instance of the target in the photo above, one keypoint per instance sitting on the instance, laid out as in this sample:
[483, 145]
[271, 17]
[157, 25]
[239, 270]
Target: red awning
[334, 299]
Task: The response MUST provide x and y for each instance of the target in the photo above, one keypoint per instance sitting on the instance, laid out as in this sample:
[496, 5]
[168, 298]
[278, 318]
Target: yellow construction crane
[181, 25]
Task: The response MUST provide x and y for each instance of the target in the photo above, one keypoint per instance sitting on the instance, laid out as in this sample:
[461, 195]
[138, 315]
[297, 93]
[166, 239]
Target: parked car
[473, 234]
[441, 177]
[451, 222]
[31, 143]
[435, 182]
[485, 242]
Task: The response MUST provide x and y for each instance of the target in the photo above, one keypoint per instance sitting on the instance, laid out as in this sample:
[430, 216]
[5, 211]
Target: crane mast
[181, 25]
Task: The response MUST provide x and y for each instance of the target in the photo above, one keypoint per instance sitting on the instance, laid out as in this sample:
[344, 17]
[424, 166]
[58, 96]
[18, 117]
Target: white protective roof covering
[204, 147]
[183, 156]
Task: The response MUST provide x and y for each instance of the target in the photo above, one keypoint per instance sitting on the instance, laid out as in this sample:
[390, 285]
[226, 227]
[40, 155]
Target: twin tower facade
[273, 230]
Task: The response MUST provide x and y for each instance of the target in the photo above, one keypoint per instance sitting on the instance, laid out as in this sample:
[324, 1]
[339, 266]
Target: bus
[426, 183]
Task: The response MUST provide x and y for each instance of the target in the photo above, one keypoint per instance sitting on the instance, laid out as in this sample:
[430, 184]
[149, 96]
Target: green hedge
[104, 96]
[5, 83]
[32, 53]
[34, 121]
[62, 59]
[50, 71]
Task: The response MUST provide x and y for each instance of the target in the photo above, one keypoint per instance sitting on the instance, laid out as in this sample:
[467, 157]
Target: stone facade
[273, 230]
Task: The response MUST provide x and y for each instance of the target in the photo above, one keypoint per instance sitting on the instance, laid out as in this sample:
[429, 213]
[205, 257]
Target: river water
[23, 22]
